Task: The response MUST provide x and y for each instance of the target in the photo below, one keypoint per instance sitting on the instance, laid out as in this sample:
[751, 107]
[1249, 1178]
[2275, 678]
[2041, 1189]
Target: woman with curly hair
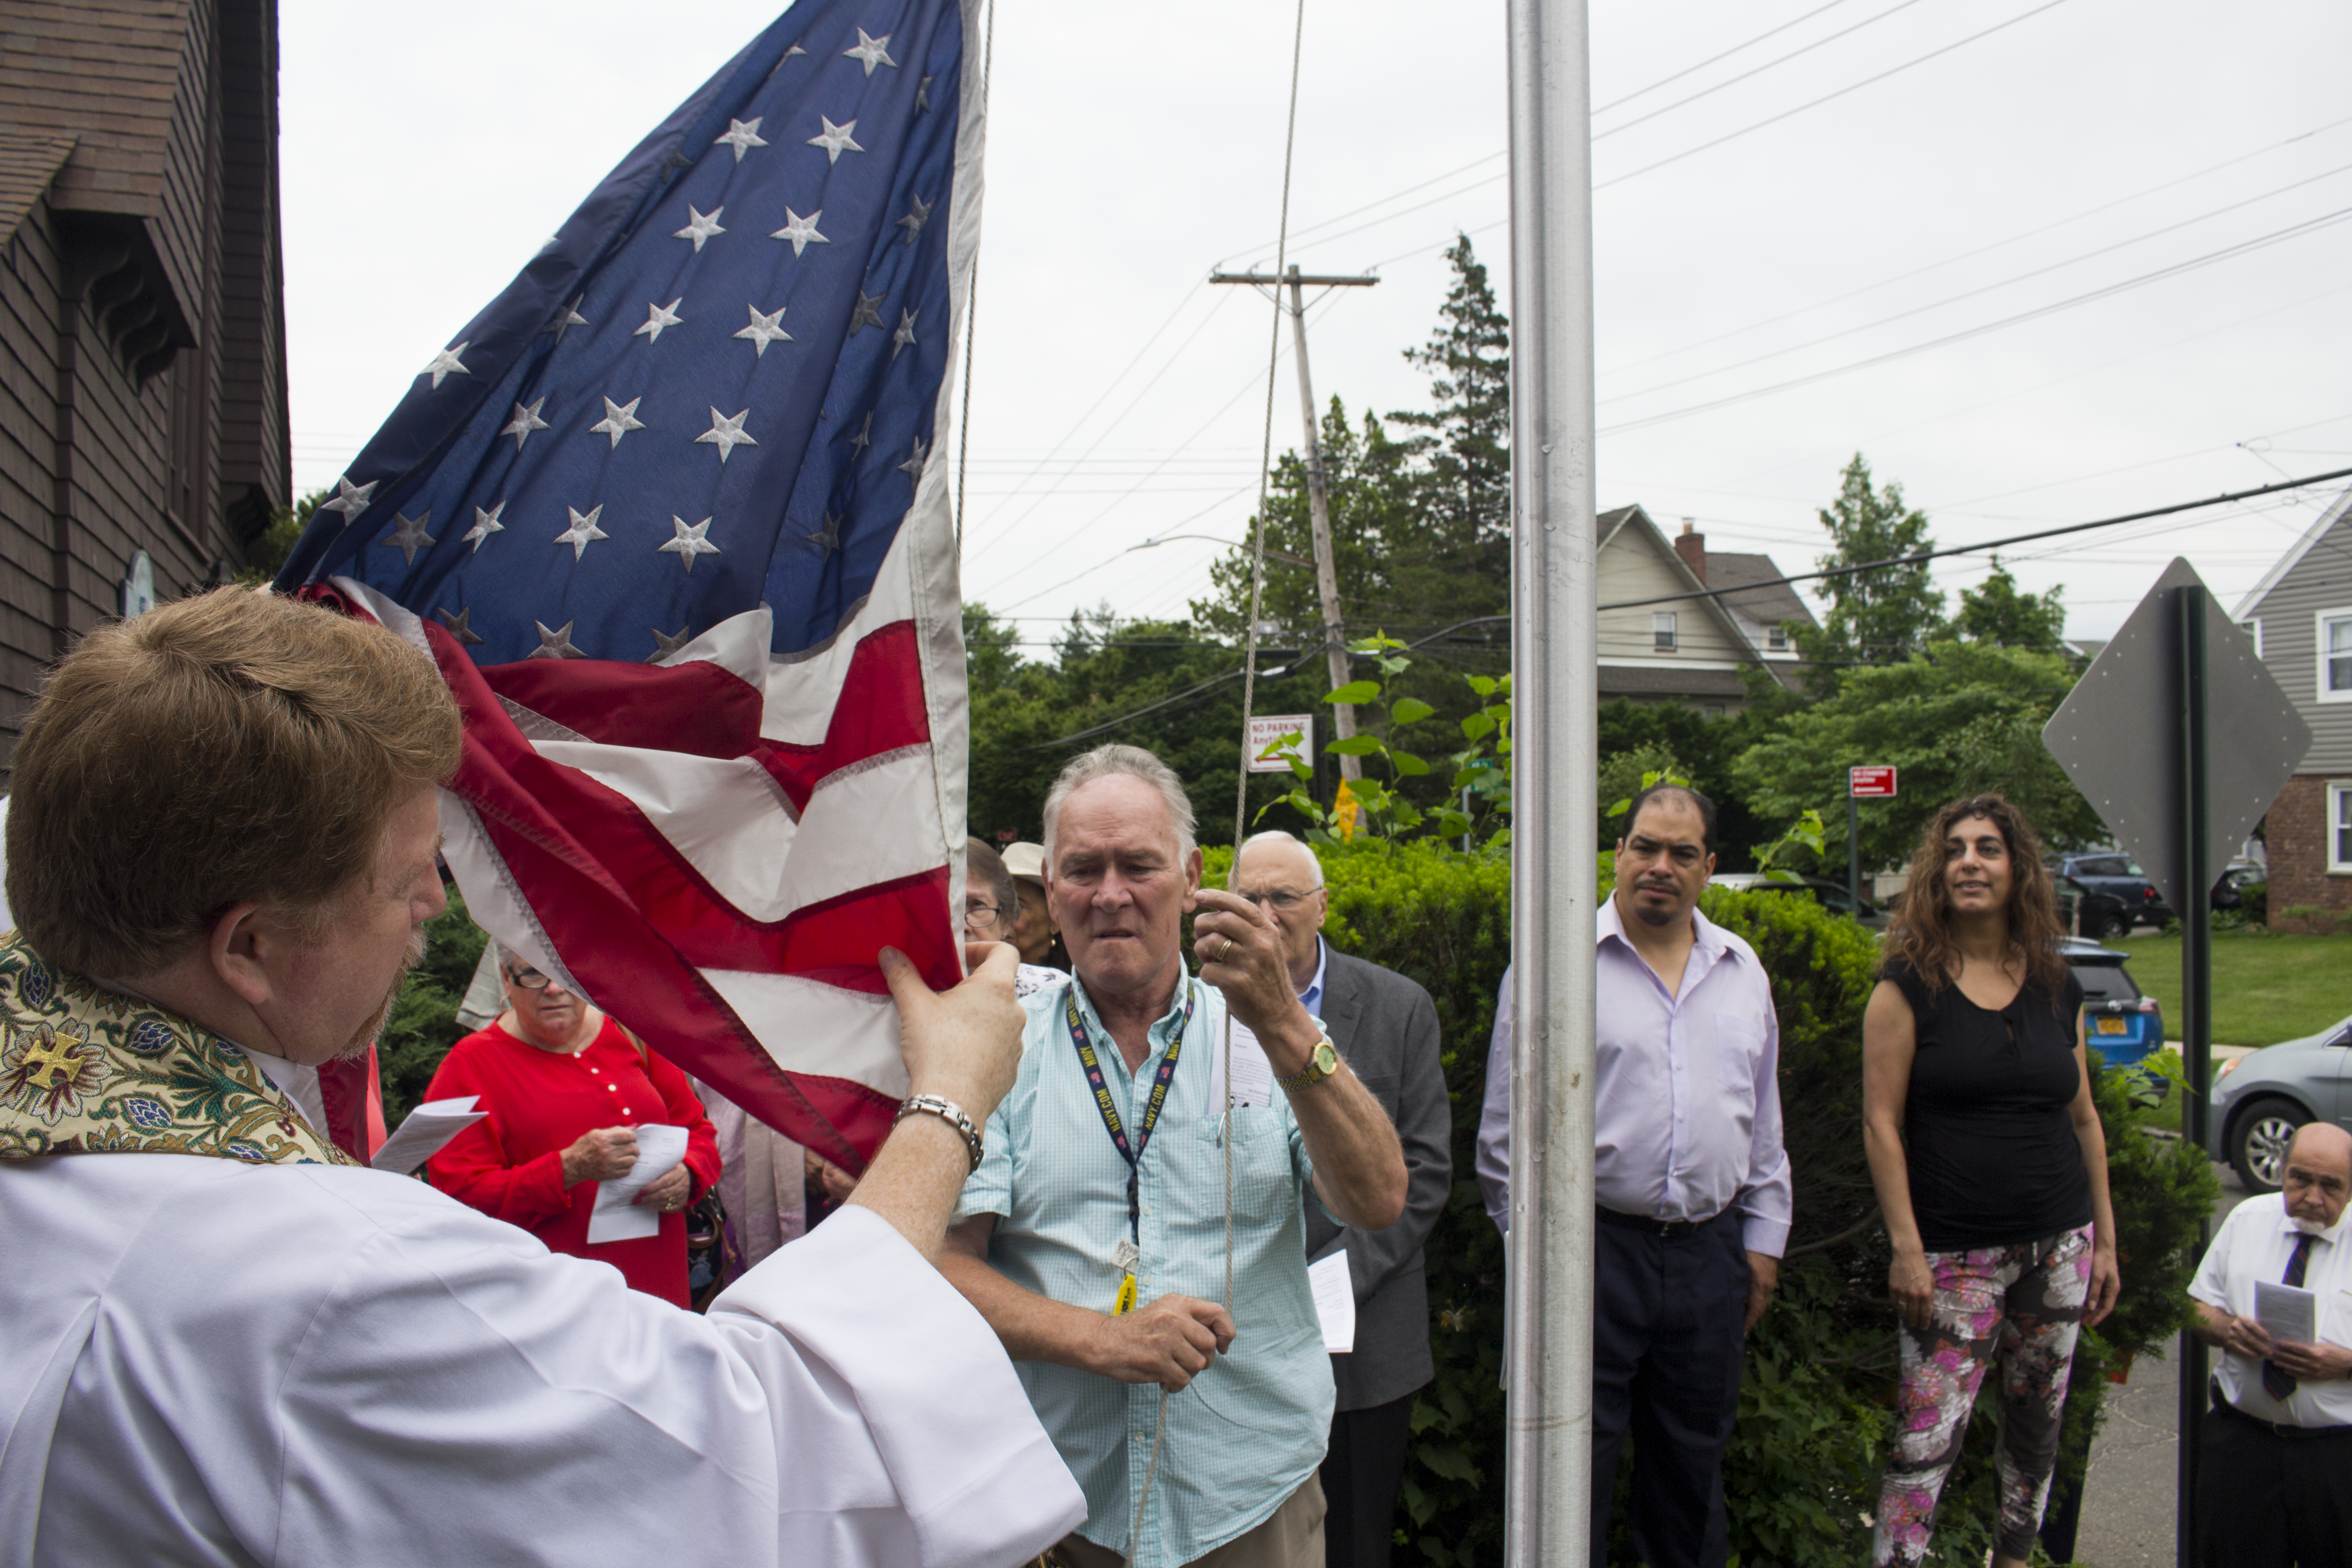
[1990, 1166]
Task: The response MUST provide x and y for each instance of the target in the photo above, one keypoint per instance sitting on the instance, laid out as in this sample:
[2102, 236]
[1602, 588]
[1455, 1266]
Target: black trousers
[2264, 1501]
[1666, 1355]
[1361, 1472]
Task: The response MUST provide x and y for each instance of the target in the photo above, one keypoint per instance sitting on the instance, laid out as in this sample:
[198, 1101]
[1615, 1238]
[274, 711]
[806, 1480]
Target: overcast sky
[2077, 146]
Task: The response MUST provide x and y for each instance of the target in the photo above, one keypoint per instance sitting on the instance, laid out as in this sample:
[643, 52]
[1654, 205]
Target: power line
[2292, 231]
[1711, 59]
[1728, 82]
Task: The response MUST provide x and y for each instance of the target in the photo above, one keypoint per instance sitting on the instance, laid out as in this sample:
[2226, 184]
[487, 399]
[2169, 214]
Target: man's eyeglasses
[1281, 898]
[977, 917]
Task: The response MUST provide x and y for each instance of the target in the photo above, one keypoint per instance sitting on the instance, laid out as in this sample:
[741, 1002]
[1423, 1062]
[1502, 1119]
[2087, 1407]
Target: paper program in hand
[1335, 1300]
[425, 1132]
[618, 1216]
[2286, 1313]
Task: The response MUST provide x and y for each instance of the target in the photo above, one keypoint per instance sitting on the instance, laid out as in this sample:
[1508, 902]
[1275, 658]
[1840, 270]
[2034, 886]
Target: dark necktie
[2277, 1382]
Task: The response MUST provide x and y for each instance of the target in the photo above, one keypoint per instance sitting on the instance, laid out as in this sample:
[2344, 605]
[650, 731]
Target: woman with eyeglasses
[1991, 1165]
[564, 1089]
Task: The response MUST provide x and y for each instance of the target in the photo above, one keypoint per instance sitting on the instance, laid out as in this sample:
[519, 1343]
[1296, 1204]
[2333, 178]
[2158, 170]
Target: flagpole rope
[1249, 698]
[972, 299]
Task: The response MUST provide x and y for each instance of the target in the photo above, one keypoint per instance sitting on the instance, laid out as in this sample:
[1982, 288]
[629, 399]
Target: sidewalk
[2129, 1495]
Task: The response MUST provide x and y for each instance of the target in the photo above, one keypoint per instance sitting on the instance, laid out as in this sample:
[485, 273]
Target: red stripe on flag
[697, 706]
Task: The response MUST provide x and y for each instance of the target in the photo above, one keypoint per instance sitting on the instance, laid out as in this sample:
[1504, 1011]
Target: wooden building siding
[142, 401]
[2321, 580]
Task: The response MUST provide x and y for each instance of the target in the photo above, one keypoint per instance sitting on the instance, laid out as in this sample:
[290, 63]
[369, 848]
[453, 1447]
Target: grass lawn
[2265, 988]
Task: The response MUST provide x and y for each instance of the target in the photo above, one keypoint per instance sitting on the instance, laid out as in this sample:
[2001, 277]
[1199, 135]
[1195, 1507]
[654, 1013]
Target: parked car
[1831, 895]
[2120, 877]
[2259, 1099]
[2230, 891]
[2119, 1021]
[2099, 916]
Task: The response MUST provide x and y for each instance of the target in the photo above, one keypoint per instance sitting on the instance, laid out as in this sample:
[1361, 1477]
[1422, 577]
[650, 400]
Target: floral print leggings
[2025, 1303]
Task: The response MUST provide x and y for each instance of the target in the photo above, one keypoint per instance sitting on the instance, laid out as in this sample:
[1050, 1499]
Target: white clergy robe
[207, 1361]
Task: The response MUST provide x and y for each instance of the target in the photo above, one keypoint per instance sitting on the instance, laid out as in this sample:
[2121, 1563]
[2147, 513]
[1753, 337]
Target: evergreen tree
[1996, 613]
[1457, 562]
[1880, 617]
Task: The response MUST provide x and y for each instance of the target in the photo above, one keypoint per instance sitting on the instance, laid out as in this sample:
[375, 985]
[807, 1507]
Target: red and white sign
[1870, 783]
[1266, 730]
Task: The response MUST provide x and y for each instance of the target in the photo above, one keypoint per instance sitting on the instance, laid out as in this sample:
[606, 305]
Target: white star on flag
[765, 330]
[668, 642]
[904, 338]
[699, 226]
[913, 466]
[741, 135]
[567, 319]
[658, 317]
[445, 363]
[726, 433]
[801, 231]
[689, 542]
[525, 421]
[408, 536]
[871, 51]
[351, 499]
[580, 535]
[917, 216]
[555, 644]
[457, 624]
[834, 138]
[619, 419]
[484, 525]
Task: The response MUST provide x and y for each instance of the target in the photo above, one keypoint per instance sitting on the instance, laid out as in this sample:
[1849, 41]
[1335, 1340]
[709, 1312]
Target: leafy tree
[1457, 564]
[1994, 612]
[1963, 718]
[1879, 617]
[266, 553]
[1705, 747]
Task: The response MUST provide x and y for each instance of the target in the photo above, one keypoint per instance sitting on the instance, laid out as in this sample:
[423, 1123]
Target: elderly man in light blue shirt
[1135, 1232]
[1689, 1174]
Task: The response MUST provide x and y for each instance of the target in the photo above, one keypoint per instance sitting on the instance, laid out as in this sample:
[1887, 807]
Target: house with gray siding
[2300, 616]
[1688, 650]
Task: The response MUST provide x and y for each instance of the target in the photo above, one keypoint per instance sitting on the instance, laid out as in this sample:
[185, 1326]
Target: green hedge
[1802, 1469]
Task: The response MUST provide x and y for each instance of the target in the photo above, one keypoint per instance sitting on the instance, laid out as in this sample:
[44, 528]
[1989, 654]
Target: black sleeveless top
[1989, 1141]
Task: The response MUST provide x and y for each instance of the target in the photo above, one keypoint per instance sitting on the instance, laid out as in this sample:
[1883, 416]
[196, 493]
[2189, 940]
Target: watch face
[1327, 1060]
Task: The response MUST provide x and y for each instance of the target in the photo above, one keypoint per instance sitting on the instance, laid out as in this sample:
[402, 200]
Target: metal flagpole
[1548, 1500]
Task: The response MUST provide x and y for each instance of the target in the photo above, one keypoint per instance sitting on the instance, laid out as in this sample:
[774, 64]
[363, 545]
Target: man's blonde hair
[234, 747]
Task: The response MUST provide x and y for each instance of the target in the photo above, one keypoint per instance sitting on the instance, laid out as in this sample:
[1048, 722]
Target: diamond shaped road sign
[2119, 736]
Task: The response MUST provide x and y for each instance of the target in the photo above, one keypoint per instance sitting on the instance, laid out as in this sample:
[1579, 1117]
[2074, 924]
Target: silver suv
[2259, 1101]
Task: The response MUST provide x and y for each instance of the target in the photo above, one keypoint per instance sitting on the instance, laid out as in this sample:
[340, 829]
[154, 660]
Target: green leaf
[1622, 806]
[1410, 710]
[1477, 726]
[1355, 745]
[1452, 825]
[1483, 684]
[1355, 692]
[1407, 765]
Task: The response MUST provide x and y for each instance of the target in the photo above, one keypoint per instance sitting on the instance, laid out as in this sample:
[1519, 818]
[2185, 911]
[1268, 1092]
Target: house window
[2339, 825]
[2254, 628]
[1661, 635]
[2335, 661]
[1776, 640]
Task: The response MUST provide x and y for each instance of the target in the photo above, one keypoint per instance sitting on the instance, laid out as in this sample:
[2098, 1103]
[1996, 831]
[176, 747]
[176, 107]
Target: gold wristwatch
[1320, 1066]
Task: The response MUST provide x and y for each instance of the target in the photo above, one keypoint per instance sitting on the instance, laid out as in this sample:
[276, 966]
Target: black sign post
[2170, 789]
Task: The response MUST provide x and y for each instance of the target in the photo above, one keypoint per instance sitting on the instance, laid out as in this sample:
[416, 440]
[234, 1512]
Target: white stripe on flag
[810, 1026]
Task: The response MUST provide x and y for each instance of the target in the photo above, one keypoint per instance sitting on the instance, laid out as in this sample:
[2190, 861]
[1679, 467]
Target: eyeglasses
[1281, 898]
[530, 979]
[980, 917]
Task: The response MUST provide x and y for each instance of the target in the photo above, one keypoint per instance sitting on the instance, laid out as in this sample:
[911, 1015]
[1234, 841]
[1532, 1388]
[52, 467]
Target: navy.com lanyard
[1132, 1155]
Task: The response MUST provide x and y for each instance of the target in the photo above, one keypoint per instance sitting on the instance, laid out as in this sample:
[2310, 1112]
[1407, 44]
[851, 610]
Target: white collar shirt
[2256, 1244]
[1686, 1115]
[1310, 997]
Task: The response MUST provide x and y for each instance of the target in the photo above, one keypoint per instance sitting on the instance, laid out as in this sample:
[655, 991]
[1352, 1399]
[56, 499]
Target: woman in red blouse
[564, 1090]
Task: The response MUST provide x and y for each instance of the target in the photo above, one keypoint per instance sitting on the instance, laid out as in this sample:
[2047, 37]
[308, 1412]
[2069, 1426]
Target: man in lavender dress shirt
[1692, 1181]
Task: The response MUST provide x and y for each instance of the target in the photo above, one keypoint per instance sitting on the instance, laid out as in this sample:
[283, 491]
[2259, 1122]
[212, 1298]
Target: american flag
[670, 516]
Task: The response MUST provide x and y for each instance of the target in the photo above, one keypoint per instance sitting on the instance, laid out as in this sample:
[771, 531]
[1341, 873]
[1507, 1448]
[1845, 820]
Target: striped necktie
[2277, 1382]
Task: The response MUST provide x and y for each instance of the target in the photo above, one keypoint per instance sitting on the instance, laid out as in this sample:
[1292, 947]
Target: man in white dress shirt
[1692, 1182]
[228, 1342]
[2275, 1486]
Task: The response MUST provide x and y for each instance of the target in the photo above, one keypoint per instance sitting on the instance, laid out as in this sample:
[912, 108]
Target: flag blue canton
[715, 388]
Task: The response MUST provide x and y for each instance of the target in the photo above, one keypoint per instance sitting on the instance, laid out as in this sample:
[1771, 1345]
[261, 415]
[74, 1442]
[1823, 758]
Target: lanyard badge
[1129, 1251]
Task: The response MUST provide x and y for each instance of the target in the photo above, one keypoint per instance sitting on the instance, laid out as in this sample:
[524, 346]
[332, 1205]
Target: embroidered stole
[84, 1070]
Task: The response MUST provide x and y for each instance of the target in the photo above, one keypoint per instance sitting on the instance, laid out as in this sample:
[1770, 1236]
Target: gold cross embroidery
[51, 1059]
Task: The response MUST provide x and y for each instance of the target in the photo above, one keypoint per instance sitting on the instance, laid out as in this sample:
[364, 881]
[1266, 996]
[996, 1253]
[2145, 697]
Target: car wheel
[2258, 1145]
[2114, 928]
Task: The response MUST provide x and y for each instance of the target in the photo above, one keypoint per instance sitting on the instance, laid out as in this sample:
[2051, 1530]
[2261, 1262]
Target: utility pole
[1319, 499]
[1548, 1488]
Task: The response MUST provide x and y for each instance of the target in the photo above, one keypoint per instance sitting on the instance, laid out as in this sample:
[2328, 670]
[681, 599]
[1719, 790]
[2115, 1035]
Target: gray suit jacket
[1385, 1027]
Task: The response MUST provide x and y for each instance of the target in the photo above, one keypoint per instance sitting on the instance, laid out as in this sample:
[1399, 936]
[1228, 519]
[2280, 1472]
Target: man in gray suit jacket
[1386, 1027]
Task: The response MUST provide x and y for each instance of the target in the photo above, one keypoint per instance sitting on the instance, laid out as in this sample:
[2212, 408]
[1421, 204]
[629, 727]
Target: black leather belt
[2275, 1428]
[1670, 1230]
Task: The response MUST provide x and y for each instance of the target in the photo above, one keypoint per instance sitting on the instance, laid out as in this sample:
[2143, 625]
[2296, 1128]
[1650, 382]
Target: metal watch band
[1313, 1075]
[948, 1111]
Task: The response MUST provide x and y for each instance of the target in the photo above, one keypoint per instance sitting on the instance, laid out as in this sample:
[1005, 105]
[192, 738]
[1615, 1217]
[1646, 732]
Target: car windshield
[2105, 983]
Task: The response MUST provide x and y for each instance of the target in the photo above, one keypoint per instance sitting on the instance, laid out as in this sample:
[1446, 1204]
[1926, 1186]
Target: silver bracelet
[947, 1111]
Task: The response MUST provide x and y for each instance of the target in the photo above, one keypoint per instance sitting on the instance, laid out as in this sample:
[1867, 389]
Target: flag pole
[1549, 1497]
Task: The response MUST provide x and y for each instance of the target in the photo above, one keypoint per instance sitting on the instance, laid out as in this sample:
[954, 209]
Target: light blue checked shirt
[1247, 1433]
